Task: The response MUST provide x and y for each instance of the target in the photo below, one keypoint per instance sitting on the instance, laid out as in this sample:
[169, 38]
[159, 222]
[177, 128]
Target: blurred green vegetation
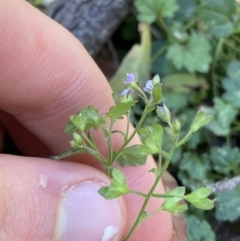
[195, 47]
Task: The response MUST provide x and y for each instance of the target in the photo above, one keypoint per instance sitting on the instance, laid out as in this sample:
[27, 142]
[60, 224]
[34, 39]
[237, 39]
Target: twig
[225, 185]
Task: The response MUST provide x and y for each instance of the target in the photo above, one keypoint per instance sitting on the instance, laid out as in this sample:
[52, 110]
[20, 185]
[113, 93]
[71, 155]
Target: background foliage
[195, 49]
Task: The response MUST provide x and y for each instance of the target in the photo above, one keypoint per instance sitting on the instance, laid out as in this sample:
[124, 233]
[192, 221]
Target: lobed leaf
[118, 186]
[227, 205]
[218, 17]
[195, 170]
[179, 191]
[172, 205]
[117, 111]
[193, 56]
[199, 230]
[223, 115]
[225, 159]
[232, 84]
[133, 156]
[151, 10]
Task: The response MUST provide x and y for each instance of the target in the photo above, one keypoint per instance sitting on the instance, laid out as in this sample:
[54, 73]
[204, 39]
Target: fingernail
[86, 215]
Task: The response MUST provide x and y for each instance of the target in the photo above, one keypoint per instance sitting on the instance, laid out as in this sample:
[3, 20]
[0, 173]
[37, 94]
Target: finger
[55, 201]
[26, 141]
[2, 132]
[49, 76]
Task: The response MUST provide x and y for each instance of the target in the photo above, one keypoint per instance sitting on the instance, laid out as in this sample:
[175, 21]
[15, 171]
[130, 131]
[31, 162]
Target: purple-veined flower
[148, 86]
[126, 92]
[130, 78]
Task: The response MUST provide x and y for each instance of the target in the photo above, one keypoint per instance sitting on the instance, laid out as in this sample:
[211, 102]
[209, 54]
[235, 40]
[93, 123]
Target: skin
[46, 75]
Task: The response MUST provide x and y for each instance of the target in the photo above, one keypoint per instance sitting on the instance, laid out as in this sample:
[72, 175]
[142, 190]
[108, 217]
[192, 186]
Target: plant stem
[158, 54]
[109, 142]
[190, 23]
[138, 193]
[184, 139]
[228, 140]
[231, 46]
[149, 195]
[215, 58]
[132, 135]
[163, 25]
[128, 124]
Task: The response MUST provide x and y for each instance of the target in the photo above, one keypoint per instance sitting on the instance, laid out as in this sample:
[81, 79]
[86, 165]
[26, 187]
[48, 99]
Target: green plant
[87, 120]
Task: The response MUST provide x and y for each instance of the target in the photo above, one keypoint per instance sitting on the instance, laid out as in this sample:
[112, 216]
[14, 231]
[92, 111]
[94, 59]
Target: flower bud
[77, 138]
[130, 78]
[200, 120]
[156, 79]
[164, 113]
[176, 125]
[73, 144]
[148, 86]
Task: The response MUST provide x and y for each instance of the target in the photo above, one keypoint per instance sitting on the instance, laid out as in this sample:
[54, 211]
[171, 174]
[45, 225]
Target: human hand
[45, 76]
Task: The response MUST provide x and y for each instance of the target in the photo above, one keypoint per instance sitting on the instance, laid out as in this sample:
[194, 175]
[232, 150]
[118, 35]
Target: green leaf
[151, 10]
[36, 3]
[150, 108]
[154, 171]
[179, 191]
[232, 84]
[85, 119]
[71, 127]
[117, 111]
[200, 193]
[195, 170]
[205, 204]
[91, 116]
[152, 137]
[183, 83]
[233, 70]
[136, 60]
[172, 205]
[193, 56]
[225, 160]
[133, 156]
[186, 10]
[160, 65]
[79, 150]
[199, 165]
[176, 102]
[177, 156]
[199, 230]
[196, 139]
[178, 33]
[157, 134]
[227, 205]
[223, 115]
[118, 186]
[218, 17]
[199, 199]
[157, 94]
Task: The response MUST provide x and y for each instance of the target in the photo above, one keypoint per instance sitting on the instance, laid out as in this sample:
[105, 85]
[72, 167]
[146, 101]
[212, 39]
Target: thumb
[46, 200]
